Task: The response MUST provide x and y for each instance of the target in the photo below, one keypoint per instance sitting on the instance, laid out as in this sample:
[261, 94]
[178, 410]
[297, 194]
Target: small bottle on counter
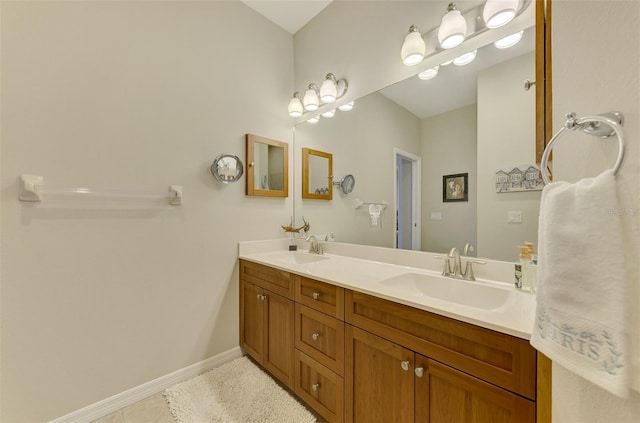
[530, 271]
[524, 259]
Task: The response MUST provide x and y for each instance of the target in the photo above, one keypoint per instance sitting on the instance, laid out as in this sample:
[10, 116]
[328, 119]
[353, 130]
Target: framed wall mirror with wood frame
[267, 167]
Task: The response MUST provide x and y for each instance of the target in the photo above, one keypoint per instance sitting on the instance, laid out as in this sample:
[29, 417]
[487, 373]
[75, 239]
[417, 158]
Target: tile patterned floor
[151, 410]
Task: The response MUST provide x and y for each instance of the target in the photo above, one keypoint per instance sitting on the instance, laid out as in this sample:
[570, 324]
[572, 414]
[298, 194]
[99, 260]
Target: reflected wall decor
[455, 187]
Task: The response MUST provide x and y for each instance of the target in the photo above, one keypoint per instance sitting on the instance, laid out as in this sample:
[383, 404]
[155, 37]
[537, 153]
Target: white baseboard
[130, 396]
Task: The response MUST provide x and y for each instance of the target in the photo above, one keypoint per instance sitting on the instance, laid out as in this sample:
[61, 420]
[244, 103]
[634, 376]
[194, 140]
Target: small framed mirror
[317, 174]
[227, 168]
[346, 184]
[267, 167]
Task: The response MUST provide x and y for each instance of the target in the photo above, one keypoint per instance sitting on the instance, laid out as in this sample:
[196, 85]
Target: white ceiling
[290, 15]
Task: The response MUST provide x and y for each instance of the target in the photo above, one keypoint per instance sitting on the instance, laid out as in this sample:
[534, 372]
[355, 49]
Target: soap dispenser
[524, 259]
[530, 272]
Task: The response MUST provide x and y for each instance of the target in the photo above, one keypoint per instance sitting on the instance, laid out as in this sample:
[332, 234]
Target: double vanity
[366, 334]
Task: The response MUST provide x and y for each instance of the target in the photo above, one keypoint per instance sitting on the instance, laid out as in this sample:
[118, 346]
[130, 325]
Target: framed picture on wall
[455, 187]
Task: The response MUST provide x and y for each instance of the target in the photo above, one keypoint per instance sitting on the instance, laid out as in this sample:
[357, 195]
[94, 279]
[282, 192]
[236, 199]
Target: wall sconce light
[466, 58]
[311, 101]
[413, 47]
[453, 28]
[330, 91]
[347, 107]
[429, 73]
[497, 13]
[509, 41]
[295, 105]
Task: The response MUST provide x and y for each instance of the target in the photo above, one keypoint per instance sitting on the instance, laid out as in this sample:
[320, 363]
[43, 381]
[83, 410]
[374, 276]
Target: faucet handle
[468, 271]
[447, 265]
[468, 248]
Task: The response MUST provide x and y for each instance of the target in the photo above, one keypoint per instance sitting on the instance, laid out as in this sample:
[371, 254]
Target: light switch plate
[436, 215]
[514, 216]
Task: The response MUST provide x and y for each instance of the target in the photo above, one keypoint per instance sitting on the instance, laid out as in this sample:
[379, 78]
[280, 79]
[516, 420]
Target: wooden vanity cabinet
[267, 320]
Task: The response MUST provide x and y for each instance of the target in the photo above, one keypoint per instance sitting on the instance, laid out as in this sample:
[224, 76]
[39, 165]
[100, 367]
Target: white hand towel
[581, 314]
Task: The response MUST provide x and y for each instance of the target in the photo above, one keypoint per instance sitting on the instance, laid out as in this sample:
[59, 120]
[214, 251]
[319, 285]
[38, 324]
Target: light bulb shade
[429, 73]
[509, 41]
[311, 101]
[346, 107]
[295, 107]
[413, 47]
[314, 119]
[497, 13]
[329, 90]
[453, 28]
[465, 59]
[329, 113]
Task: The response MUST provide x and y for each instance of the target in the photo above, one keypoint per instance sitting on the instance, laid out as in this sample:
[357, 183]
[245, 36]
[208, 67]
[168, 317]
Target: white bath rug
[236, 392]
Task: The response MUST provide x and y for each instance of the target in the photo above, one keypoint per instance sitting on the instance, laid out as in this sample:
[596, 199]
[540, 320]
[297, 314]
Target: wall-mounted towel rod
[601, 126]
[32, 188]
[360, 203]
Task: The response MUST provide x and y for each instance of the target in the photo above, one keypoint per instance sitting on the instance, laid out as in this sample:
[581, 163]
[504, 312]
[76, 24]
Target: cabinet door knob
[315, 336]
[261, 297]
[316, 295]
[315, 387]
[405, 365]
[419, 371]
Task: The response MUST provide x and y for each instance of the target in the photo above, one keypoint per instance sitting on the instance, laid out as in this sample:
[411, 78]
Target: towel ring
[601, 126]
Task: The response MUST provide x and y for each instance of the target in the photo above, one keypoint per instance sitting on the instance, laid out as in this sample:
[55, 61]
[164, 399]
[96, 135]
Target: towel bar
[602, 126]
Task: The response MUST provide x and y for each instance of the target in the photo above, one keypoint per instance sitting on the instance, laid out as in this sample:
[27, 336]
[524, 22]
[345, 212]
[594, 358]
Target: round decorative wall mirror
[346, 184]
[227, 168]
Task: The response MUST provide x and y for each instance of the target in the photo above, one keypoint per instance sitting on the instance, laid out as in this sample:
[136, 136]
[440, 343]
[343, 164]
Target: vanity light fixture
[329, 89]
[329, 113]
[509, 41]
[311, 101]
[347, 107]
[429, 73]
[413, 47]
[466, 58]
[295, 105]
[453, 28]
[314, 119]
[497, 13]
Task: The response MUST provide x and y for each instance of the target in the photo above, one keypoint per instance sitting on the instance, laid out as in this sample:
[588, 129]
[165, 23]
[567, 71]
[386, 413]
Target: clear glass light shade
[509, 41]
[295, 107]
[328, 91]
[311, 101]
[329, 113]
[465, 59]
[346, 107]
[429, 73]
[314, 119]
[453, 29]
[497, 13]
[413, 48]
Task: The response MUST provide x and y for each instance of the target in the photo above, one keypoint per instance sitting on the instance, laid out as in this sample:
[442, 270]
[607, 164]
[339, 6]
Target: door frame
[416, 196]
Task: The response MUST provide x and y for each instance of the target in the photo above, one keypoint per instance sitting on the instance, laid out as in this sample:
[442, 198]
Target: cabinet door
[279, 337]
[252, 320]
[379, 379]
[444, 394]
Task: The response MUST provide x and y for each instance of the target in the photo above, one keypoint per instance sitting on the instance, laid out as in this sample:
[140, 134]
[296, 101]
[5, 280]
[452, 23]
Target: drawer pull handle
[315, 387]
[315, 295]
[419, 371]
[315, 336]
[405, 365]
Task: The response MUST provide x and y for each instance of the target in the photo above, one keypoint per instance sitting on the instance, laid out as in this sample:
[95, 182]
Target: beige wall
[128, 95]
[451, 135]
[362, 143]
[590, 84]
[506, 138]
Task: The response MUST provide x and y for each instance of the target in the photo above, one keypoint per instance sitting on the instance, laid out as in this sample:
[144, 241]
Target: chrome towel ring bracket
[601, 126]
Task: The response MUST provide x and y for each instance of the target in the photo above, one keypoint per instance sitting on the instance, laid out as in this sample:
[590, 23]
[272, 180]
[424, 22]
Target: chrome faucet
[456, 271]
[315, 247]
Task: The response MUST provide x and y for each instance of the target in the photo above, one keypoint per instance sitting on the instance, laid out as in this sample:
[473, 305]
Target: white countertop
[514, 317]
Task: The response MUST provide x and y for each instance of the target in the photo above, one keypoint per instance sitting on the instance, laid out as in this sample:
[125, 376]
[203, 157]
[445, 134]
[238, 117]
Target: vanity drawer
[320, 296]
[321, 337]
[319, 387]
[497, 358]
[274, 280]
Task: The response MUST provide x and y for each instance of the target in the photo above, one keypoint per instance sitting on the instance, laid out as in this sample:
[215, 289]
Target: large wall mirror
[267, 167]
[400, 141]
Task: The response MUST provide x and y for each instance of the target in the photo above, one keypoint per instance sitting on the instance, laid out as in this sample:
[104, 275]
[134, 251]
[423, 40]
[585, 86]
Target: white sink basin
[456, 291]
[296, 257]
